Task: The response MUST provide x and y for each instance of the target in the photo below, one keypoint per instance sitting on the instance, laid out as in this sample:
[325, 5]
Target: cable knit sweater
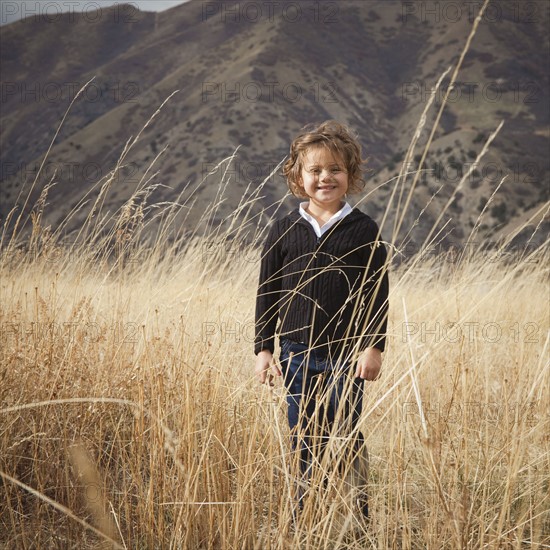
[329, 292]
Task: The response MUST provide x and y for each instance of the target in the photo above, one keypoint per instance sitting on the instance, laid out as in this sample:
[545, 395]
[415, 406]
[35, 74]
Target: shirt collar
[344, 211]
[319, 231]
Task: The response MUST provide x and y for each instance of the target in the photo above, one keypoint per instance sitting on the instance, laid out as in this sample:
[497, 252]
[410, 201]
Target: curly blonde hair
[339, 140]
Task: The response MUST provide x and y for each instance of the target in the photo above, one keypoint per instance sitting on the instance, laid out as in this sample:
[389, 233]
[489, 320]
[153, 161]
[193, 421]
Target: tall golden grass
[130, 416]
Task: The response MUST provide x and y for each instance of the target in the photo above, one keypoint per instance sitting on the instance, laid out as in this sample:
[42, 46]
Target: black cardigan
[329, 292]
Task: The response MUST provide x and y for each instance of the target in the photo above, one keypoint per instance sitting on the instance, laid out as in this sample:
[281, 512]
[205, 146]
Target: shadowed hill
[254, 78]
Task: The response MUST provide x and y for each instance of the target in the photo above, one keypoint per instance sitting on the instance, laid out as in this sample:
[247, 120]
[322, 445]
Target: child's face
[324, 176]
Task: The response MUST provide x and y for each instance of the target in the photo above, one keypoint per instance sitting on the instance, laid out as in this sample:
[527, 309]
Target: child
[323, 279]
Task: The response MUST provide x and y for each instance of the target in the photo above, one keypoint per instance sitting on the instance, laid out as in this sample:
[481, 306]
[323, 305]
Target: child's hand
[368, 364]
[266, 367]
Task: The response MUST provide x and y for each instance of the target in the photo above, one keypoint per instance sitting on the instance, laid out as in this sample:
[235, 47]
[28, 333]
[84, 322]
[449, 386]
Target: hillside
[254, 79]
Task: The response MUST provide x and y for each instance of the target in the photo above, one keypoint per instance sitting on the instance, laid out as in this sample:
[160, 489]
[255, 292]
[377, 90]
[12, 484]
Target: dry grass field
[130, 416]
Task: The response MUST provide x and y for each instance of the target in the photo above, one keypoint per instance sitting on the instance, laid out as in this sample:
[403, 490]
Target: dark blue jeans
[324, 402]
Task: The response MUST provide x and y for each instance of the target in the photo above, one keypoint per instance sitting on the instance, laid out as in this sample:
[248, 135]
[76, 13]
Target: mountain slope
[255, 81]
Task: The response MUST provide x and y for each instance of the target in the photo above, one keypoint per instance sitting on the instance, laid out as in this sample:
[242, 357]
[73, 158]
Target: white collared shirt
[342, 213]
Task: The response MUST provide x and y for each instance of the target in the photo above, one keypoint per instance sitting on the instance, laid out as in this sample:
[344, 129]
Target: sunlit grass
[130, 415]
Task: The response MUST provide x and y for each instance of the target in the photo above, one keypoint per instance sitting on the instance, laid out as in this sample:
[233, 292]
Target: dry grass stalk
[149, 364]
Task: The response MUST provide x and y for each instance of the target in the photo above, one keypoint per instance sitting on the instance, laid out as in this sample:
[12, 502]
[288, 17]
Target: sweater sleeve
[268, 295]
[375, 324]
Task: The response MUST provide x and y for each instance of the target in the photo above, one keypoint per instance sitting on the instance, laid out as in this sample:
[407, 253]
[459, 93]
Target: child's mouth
[327, 187]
